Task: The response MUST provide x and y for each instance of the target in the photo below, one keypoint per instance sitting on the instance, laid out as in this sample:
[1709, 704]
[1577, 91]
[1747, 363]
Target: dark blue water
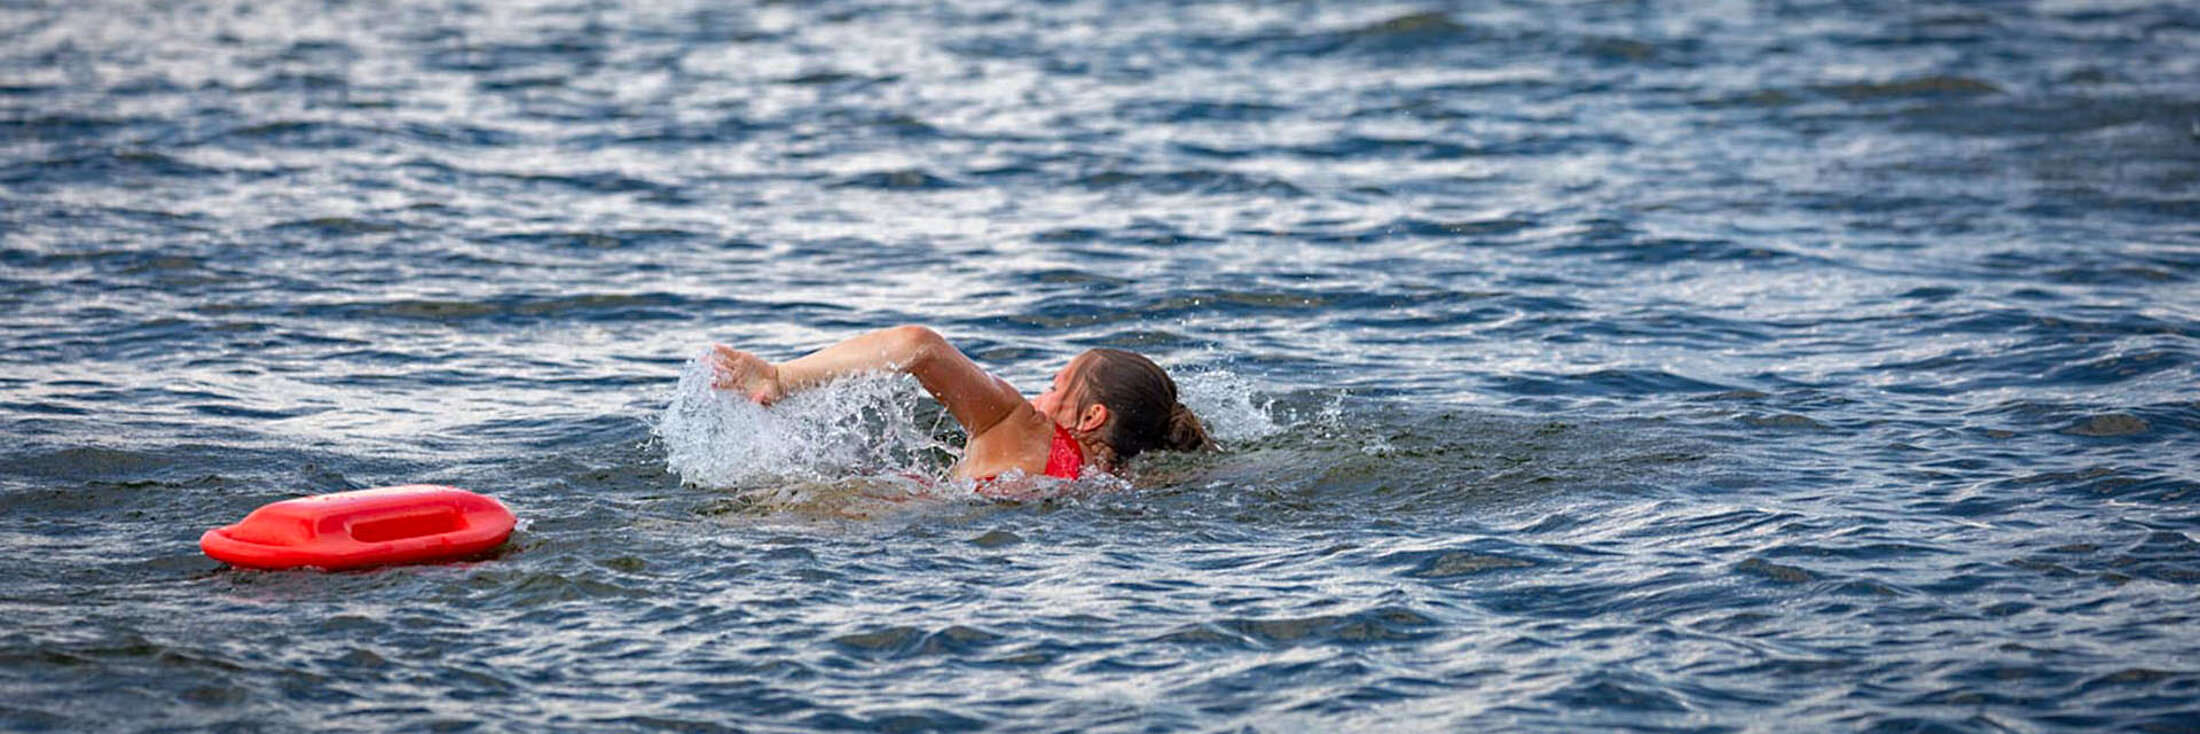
[1585, 365]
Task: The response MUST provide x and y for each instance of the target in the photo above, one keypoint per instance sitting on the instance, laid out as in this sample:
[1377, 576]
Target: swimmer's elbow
[915, 345]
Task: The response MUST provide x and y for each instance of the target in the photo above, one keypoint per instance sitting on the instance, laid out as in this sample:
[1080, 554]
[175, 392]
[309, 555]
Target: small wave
[110, 166]
[1383, 624]
[1416, 32]
[1929, 86]
[1194, 181]
[1606, 382]
[904, 641]
[1199, 111]
[335, 227]
[584, 239]
[1618, 692]
[1363, 148]
[1452, 563]
[907, 179]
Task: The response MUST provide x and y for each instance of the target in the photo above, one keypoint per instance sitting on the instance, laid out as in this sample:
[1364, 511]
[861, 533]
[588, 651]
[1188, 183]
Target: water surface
[1585, 366]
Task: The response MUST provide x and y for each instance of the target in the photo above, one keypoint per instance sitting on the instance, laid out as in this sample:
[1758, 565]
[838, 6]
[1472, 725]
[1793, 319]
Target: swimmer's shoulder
[1020, 441]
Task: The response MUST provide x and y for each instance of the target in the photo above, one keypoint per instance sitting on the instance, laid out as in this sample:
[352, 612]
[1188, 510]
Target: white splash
[862, 424]
[1225, 402]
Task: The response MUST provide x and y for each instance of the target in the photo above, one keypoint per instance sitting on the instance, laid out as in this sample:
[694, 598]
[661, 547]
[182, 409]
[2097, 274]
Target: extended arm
[976, 398]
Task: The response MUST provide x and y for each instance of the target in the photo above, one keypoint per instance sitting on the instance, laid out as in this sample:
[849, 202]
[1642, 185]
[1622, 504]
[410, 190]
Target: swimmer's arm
[975, 397]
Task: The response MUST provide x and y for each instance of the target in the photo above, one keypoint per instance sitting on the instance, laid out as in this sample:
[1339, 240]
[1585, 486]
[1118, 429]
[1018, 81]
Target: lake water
[1582, 366]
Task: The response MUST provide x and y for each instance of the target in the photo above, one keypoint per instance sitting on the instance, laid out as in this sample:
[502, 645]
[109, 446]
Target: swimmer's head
[1123, 402]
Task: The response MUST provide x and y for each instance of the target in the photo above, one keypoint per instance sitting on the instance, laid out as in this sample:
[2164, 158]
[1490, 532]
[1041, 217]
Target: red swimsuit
[1065, 458]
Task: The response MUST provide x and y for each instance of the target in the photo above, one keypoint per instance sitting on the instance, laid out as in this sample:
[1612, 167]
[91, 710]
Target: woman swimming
[1105, 407]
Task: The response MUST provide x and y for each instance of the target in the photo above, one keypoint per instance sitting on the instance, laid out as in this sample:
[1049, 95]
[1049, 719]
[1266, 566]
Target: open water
[1705, 366]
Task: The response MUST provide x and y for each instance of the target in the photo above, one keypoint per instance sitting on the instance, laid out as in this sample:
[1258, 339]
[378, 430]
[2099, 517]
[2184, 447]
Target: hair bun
[1186, 432]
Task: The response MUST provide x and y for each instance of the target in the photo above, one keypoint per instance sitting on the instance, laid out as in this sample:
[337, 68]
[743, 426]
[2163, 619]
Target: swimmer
[1105, 407]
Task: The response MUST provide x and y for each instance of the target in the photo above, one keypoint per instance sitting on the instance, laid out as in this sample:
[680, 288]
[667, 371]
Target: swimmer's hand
[747, 373]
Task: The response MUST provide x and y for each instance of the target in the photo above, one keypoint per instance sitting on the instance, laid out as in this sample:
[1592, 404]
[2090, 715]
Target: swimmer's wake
[850, 412]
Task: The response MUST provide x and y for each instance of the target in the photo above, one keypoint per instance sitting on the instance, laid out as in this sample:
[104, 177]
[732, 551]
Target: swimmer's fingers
[725, 367]
[733, 369]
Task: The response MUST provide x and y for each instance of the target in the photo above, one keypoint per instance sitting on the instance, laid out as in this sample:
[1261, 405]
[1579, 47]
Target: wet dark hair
[1142, 403]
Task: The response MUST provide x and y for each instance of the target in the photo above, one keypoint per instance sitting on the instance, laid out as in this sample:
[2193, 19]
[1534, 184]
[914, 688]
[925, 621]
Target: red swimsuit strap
[1065, 458]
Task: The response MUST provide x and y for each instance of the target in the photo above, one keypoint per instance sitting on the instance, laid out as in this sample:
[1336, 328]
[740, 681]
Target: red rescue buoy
[413, 523]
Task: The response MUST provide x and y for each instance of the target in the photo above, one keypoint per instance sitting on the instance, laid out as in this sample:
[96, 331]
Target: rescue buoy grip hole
[409, 525]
